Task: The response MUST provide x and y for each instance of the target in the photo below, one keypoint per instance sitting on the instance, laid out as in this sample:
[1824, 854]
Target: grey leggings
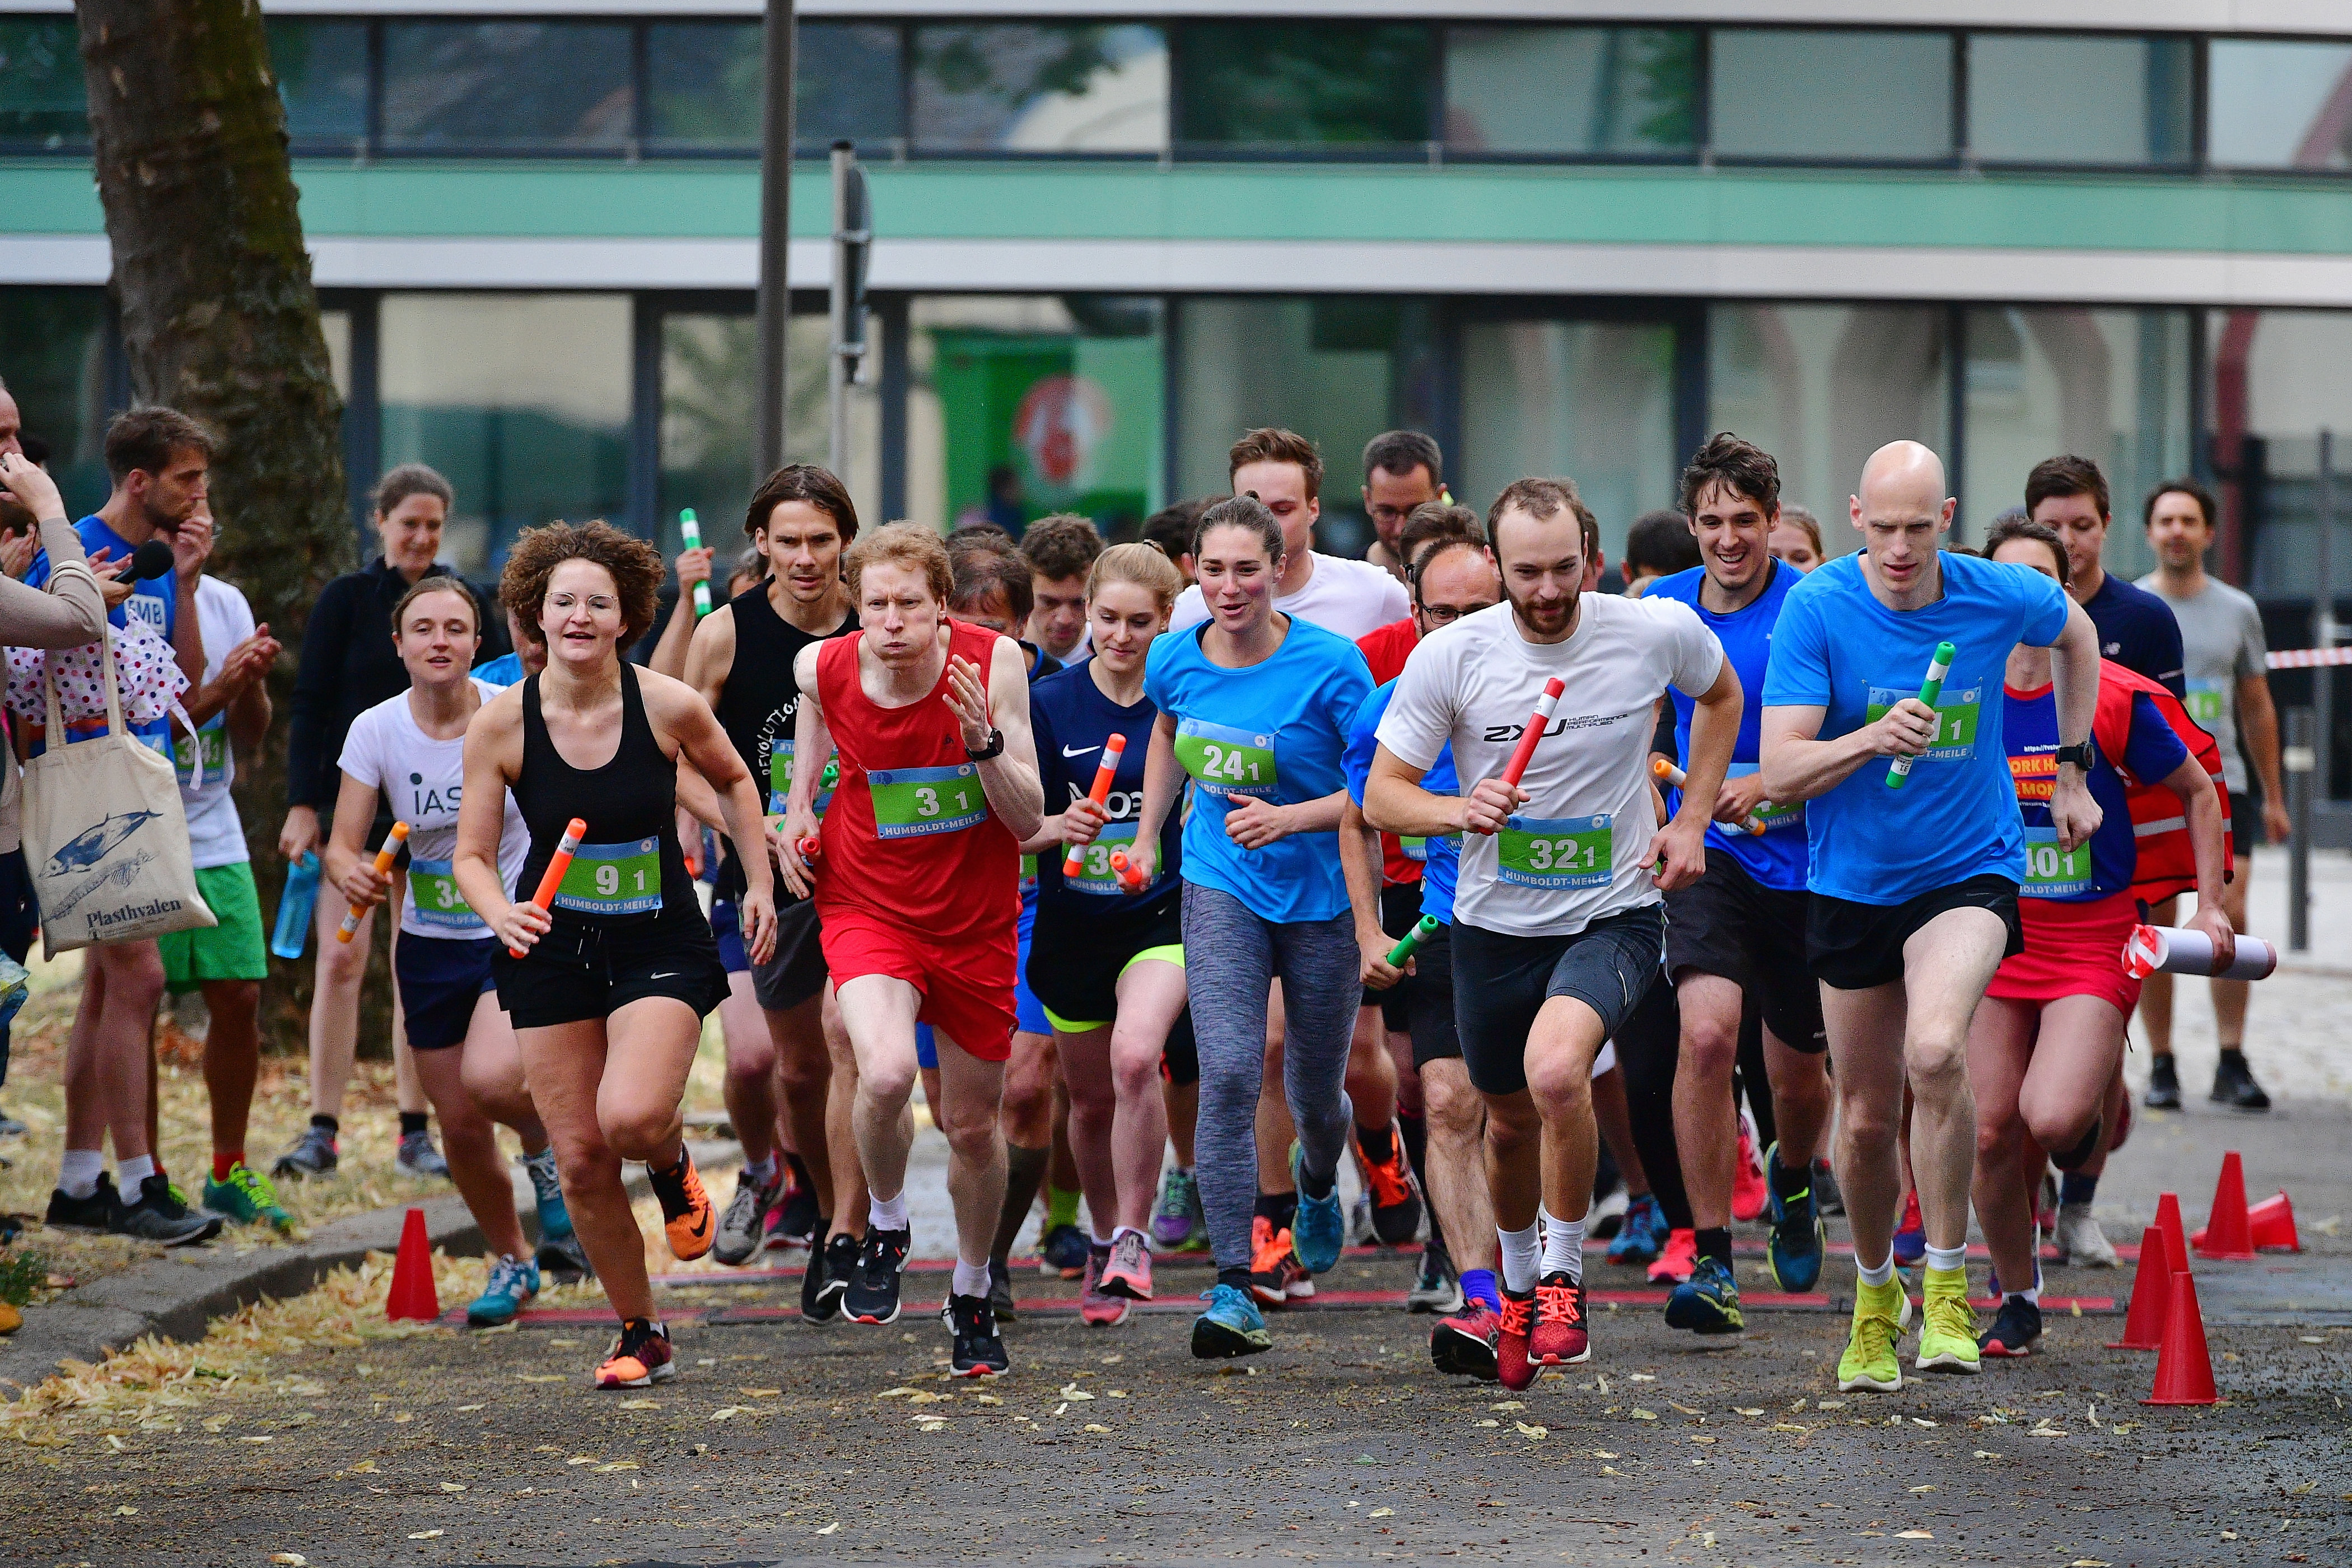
[1231, 956]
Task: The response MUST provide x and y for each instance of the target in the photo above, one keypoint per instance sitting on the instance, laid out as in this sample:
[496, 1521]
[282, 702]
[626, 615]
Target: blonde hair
[902, 544]
[1143, 565]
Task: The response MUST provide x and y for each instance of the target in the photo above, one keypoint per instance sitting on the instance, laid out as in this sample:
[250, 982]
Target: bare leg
[879, 1013]
[232, 1058]
[335, 1005]
[2156, 991]
[1276, 1132]
[1800, 1099]
[108, 1056]
[974, 1093]
[849, 1192]
[1183, 1101]
[1614, 1118]
[471, 1147]
[1706, 1126]
[1457, 1179]
[1947, 966]
[2001, 1049]
[494, 1075]
[1118, 1124]
[410, 1087]
[804, 1084]
[1371, 1077]
[749, 1089]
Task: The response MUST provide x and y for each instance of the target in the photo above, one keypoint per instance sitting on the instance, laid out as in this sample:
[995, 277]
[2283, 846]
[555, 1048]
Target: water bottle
[296, 906]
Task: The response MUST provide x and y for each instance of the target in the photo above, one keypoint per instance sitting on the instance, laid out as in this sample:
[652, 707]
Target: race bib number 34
[432, 894]
[911, 802]
[613, 878]
[1956, 716]
[1224, 760]
[1557, 851]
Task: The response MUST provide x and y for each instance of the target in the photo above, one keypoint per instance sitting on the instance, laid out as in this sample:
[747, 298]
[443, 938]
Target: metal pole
[837, 363]
[775, 307]
[2296, 761]
[2323, 619]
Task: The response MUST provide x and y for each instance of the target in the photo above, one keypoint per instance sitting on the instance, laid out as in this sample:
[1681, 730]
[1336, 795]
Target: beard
[1546, 619]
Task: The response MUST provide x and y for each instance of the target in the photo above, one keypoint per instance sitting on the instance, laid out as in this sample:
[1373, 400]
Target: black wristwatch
[2084, 756]
[995, 747]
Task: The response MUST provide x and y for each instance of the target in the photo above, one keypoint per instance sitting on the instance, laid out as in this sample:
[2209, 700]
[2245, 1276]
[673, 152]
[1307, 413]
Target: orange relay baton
[556, 864]
[384, 860]
[1104, 771]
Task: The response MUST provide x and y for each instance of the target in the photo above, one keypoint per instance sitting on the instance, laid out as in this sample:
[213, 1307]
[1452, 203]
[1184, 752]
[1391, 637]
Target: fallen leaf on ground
[615, 1465]
[1602, 1454]
[1527, 1431]
[1097, 1427]
[453, 1486]
[1914, 1535]
[759, 1392]
[290, 1559]
[728, 1413]
[1380, 1513]
[1642, 1414]
[1738, 1410]
[829, 1529]
[422, 1534]
[641, 1404]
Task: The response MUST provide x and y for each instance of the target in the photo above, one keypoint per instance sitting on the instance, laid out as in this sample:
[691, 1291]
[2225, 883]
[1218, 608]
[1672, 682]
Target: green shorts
[233, 950]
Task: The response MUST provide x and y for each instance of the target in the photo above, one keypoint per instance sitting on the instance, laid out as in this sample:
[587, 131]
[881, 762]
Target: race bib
[1094, 874]
[1955, 715]
[613, 878]
[1775, 816]
[911, 802]
[1226, 761]
[2052, 872]
[212, 743]
[780, 779]
[1557, 851]
[2208, 702]
[1418, 849]
[1028, 877]
[435, 900]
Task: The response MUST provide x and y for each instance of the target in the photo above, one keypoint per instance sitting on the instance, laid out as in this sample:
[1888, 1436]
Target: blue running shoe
[513, 1282]
[1798, 1241]
[1707, 1302]
[547, 1194]
[1233, 1326]
[1642, 1236]
[1911, 1236]
[1320, 1228]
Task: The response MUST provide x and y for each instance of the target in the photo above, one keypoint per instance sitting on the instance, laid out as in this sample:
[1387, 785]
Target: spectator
[1061, 551]
[1659, 545]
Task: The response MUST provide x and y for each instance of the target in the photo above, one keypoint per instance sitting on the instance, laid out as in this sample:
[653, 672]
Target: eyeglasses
[1442, 615]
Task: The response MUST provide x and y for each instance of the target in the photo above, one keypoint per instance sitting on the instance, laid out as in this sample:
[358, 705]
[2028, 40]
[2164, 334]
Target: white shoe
[2081, 1241]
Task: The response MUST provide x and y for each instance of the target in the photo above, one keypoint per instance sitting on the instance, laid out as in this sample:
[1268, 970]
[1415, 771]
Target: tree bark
[220, 321]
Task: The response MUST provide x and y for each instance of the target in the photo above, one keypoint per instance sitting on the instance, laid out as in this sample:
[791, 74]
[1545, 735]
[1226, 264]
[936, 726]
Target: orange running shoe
[1396, 1197]
[1748, 1193]
[1512, 1367]
[641, 1357]
[1276, 1274]
[688, 1217]
[1675, 1265]
[1559, 1338]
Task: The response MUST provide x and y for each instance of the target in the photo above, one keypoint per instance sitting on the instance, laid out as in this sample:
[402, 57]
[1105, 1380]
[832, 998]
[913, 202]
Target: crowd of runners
[1747, 882]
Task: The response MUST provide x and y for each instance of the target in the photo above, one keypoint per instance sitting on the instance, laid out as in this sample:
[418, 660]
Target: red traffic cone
[2168, 1220]
[2228, 1235]
[2184, 1370]
[2273, 1224]
[2151, 1296]
[412, 1294]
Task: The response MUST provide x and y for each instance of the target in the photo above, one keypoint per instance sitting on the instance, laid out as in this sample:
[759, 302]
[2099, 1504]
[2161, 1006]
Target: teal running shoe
[247, 1197]
[1320, 1229]
[1799, 1239]
[513, 1282]
[1233, 1326]
[1707, 1302]
[1641, 1238]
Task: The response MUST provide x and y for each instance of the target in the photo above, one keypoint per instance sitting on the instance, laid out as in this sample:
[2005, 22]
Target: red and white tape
[2306, 657]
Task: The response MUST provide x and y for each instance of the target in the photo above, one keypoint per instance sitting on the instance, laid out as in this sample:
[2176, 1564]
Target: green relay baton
[690, 532]
[1401, 953]
[1937, 668]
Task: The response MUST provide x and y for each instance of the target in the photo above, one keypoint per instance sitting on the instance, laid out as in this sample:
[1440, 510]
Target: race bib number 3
[2052, 872]
[1094, 875]
[1956, 716]
[1226, 761]
[435, 900]
[911, 802]
[1557, 852]
[612, 880]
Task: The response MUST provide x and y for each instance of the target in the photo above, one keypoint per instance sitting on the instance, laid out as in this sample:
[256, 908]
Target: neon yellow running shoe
[1869, 1362]
[1948, 1329]
[247, 1197]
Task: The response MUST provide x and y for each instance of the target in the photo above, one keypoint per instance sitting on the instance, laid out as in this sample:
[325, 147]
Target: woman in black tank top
[607, 987]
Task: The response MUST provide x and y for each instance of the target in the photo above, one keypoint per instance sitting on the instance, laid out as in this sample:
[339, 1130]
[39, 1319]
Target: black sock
[1281, 1208]
[1239, 1279]
[332, 1124]
[1379, 1143]
[2074, 1187]
[1788, 1184]
[1024, 1170]
[412, 1121]
[1415, 1130]
[1715, 1242]
[2071, 1159]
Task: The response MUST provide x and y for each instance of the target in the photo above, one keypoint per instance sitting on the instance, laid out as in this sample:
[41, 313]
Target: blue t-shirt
[2138, 631]
[504, 671]
[2106, 862]
[1441, 862]
[1073, 719]
[1836, 647]
[154, 600]
[1274, 732]
[1775, 857]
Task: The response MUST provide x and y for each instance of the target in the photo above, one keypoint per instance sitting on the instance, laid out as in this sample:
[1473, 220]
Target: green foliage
[1277, 84]
[21, 1274]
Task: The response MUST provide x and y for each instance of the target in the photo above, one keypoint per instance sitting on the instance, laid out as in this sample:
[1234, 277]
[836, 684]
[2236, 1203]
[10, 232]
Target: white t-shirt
[215, 832]
[1350, 598]
[1576, 854]
[423, 779]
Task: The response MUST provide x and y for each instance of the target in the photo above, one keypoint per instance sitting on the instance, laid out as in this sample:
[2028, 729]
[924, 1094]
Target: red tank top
[909, 838]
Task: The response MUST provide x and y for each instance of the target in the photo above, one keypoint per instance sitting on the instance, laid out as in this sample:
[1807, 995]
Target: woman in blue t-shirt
[1255, 708]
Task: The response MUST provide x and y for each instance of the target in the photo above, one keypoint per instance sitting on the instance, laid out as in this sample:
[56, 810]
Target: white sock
[128, 1173]
[890, 1214]
[970, 1279]
[1118, 1231]
[761, 1174]
[1522, 1258]
[1882, 1274]
[1946, 1259]
[1563, 1245]
[78, 1172]
[1102, 1241]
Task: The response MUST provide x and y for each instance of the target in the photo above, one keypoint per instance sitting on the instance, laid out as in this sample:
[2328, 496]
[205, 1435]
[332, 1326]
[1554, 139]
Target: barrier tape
[2306, 657]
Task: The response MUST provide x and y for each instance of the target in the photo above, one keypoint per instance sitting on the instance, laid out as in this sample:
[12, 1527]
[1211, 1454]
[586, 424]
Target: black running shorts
[1501, 983]
[1076, 957]
[1855, 946]
[1729, 924]
[578, 972]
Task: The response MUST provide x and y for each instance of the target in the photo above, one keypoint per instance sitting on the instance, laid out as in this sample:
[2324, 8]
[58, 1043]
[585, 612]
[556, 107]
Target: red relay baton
[810, 846]
[1537, 723]
[556, 864]
[1113, 749]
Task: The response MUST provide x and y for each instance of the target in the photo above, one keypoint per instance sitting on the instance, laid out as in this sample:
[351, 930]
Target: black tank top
[628, 870]
[758, 705]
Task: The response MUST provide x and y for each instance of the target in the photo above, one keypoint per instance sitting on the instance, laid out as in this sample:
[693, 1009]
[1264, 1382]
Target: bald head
[1905, 476]
[1902, 512]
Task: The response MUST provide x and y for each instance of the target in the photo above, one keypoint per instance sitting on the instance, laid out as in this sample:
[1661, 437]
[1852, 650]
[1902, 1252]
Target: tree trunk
[219, 320]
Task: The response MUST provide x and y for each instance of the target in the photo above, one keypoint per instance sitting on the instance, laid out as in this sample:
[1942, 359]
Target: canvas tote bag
[105, 837]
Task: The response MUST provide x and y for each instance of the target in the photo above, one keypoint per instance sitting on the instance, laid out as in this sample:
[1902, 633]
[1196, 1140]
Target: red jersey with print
[1385, 651]
[910, 839]
[2151, 750]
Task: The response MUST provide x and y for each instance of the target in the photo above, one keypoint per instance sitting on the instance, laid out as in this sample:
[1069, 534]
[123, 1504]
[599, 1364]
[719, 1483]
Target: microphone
[152, 559]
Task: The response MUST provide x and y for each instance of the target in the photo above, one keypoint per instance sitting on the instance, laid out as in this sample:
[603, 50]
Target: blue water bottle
[296, 905]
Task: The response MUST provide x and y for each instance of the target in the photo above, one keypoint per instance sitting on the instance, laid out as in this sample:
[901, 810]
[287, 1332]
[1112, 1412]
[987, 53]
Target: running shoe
[793, 1221]
[744, 1225]
[563, 1260]
[1360, 1221]
[1063, 1250]
[513, 1282]
[641, 1356]
[1232, 1326]
[688, 1217]
[1795, 1248]
[1463, 1346]
[95, 1212]
[1512, 1367]
[1276, 1274]
[1708, 1301]
[1394, 1192]
[1096, 1310]
[246, 1197]
[1642, 1235]
[1319, 1229]
[2163, 1085]
[2234, 1086]
[827, 1277]
[1606, 1217]
[2013, 1331]
[1880, 1311]
[1128, 1271]
[1674, 1264]
[1911, 1236]
[2081, 1241]
[979, 1351]
[872, 1295]
[1947, 1325]
[159, 1215]
[1000, 1291]
[1749, 1188]
[419, 1157]
[1560, 1336]
[1828, 1196]
[313, 1154]
[1436, 1288]
[1178, 1218]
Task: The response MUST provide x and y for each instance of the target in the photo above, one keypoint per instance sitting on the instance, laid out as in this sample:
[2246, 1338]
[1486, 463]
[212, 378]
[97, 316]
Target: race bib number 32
[613, 878]
[1557, 851]
[1956, 720]
[911, 802]
[1226, 761]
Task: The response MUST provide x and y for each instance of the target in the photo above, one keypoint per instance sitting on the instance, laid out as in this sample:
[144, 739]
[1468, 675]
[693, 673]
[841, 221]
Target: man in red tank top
[916, 886]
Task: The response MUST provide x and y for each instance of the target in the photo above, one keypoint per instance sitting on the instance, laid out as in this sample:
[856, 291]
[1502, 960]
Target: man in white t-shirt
[1559, 927]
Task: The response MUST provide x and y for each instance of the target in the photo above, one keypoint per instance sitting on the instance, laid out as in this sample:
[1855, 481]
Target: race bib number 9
[1226, 761]
[2052, 872]
[435, 900]
[1557, 852]
[1094, 875]
[911, 802]
[1956, 716]
[613, 878]
[2208, 702]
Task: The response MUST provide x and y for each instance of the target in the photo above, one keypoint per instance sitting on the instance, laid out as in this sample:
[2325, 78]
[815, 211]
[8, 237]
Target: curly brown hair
[635, 567]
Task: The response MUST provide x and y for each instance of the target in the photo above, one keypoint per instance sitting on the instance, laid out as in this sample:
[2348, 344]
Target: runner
[1915, 891]
[1060, 550]
[914, 893]
[1739, 928]
[1557, 925]
[1404, 471]
[1254, 708]
[1796, 538]
[2048, 1039]
[1108, 964]
[411, 751]
[608, 997]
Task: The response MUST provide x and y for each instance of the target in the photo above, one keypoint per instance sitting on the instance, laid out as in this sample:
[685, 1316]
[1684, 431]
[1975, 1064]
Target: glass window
[704, 81]
[53, 348]
[2277, 381]
[2044, 98]
[42, 104]
[1822, 386]
[2279, 105]
[322, 76]
[1043, 87]
[1592, 400]
[1598, 91]
[1821, 93]
[1282, 86]
[507, 86]
[523, 400]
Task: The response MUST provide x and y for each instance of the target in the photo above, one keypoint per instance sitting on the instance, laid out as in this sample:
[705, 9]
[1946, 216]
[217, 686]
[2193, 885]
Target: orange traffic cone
[2184, 1370]
[2168, 1220]
[412, 1294]
[2228, 1235]
[2273, 1223]
[2151, 1296]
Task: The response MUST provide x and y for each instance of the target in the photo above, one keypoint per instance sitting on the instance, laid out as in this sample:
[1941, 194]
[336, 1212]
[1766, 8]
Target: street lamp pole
[775, 306]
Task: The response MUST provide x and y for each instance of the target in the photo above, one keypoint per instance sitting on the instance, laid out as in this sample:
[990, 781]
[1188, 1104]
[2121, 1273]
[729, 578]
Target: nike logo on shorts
[673, 974]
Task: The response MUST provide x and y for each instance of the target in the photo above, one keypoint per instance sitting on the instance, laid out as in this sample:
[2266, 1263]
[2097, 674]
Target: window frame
[2191, 163]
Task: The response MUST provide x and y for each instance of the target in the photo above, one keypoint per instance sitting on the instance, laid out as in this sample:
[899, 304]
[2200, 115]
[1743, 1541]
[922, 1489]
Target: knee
[752, 1060]
[2059, 1129]
[635, 1131]
[1999, 1137]
[970, 1138]
[1710, 1047]
[803, 1071]
[497, 1087]
[1029, 1089]
[1867, 1123]
[340, 964]
[1561, 1084]
[1451, 1107]
[888, 1084]
[1937, 1064]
